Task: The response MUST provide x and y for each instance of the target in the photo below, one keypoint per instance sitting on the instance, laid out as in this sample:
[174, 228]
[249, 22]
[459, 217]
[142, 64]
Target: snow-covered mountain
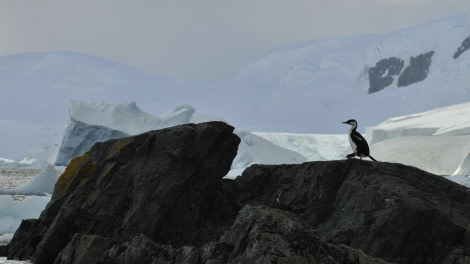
[307, 87]
[323, 82]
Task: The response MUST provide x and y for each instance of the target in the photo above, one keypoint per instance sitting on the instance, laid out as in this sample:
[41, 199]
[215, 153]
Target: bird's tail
[372, 158]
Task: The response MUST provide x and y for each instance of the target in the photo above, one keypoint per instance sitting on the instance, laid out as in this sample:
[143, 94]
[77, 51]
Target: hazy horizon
[204, 39]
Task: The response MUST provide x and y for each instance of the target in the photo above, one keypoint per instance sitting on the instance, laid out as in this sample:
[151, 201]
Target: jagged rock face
[389, 211]
[258, 235]
[161, 184]
[417, 70]
[381, 75]
[159, 198]
[266, 235]
[463, 48]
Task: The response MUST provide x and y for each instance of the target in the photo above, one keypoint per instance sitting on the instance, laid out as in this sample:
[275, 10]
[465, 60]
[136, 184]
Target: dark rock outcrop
[3, 250]
[159, 198]
[390, 211]
[463, 48]
[161, 184]
[381, 75]
[417, 70]
[263, 234]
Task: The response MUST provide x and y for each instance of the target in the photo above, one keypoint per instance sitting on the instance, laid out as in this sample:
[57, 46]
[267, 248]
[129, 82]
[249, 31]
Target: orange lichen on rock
[67, 178]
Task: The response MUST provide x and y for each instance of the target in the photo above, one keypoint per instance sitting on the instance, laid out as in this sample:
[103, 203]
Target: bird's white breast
[351, 142]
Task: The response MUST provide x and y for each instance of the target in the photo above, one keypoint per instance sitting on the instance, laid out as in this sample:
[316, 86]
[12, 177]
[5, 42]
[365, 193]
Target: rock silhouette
[159, 197]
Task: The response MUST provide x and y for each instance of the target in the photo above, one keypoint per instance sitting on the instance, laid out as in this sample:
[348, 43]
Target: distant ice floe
[41, 184]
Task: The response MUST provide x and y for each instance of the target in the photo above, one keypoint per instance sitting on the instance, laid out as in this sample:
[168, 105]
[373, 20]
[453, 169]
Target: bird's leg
[352, 155]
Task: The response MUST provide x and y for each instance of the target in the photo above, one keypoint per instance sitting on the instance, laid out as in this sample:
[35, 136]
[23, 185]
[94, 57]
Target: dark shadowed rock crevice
[159, 197]
[463, 48]
[383, 73]
[417, 70]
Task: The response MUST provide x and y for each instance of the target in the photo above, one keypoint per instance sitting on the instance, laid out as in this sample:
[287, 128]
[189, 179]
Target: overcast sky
[199, 39]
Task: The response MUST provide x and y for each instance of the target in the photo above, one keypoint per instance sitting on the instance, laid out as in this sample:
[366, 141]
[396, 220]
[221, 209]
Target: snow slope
[254, 149]
[436, 154]
[450, 121]
[312, 146]
[437, 141]
[464, 166]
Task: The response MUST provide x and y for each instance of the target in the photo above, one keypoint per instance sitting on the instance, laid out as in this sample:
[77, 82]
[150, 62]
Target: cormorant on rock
[358, 142]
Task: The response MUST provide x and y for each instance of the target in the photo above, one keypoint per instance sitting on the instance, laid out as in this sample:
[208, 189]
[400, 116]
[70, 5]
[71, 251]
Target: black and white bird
[358, 142]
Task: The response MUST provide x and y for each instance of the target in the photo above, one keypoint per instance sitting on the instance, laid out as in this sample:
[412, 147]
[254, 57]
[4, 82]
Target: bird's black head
[351, 122]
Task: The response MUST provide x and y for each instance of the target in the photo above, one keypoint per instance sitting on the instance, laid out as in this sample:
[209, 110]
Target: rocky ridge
[159, 197]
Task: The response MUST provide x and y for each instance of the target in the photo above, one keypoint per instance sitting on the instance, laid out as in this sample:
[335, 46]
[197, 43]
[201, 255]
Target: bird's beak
[344, 122]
